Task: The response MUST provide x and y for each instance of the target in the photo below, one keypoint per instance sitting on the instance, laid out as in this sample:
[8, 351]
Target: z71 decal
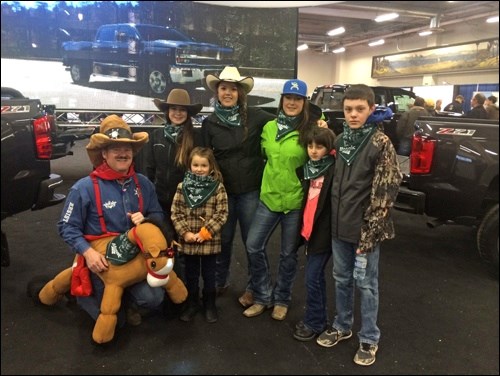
[455, 131]
[16, 109]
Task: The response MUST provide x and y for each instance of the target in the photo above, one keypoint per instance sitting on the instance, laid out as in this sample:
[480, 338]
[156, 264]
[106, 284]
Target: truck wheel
[158, 82]
[487, 238]
[79, 74]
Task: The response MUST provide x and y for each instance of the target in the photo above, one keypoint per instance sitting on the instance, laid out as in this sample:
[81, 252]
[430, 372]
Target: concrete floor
[438, 313]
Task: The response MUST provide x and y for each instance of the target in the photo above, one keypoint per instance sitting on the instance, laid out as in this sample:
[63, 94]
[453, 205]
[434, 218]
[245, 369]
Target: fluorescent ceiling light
[337, 31]
[302, 47]
[425, 33]
[339, 50]
[492, 19]
[376, 43]
[386, 17]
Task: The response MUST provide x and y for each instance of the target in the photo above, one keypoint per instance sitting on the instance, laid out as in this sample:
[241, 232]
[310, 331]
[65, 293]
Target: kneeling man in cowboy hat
[111, 200]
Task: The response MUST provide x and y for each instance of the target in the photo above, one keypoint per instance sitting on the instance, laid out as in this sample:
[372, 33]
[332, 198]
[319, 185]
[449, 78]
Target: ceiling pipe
[395, 34]
[352, 11]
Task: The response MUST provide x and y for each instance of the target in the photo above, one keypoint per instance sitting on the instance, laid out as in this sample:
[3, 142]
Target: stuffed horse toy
[154, 262]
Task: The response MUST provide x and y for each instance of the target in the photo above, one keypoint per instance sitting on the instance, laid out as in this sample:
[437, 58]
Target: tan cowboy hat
[230, 74]
[178, 97]
[113, 130]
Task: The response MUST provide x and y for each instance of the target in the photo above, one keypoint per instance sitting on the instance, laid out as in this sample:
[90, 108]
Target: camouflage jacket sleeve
[387, 178]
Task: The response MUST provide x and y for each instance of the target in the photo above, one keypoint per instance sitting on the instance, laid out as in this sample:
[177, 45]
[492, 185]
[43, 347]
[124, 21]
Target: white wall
[354, 66]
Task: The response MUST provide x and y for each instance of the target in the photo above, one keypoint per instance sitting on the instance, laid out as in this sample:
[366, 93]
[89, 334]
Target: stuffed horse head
[158, 256]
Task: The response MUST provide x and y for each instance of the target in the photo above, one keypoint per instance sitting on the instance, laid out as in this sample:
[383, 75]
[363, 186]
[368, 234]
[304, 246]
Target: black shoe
[299, 325]
[190, 312]
[304, 334]
[211, 314]
[222, 290]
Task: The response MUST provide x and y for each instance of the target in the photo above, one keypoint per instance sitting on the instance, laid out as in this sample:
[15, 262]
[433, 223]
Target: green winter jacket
[281, 190]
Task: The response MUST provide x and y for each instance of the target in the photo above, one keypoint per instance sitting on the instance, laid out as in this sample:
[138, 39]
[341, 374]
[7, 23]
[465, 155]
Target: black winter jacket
[321, 236]
[160, 165]
[239, 158]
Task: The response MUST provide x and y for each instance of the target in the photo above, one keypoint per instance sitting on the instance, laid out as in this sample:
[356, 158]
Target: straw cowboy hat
[178, 97]
[230, 74]
[113, 130]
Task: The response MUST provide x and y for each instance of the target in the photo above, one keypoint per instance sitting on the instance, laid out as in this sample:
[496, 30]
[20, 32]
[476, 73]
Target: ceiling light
[425, 33]
[337, 31]
[339, 50]
[376, 43]
[492, 19]
[386, 17]
[302, 47]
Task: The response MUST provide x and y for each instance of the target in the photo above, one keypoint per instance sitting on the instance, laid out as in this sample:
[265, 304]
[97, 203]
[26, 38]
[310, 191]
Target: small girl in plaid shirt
[199, 210]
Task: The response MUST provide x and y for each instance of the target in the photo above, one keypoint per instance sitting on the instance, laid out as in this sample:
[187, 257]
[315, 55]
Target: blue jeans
[344, 254]
[263, 226]
[141, 294]
[316, 317]
[241, 208]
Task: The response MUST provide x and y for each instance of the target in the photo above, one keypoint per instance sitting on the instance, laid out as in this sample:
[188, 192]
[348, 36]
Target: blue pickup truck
[154, 57]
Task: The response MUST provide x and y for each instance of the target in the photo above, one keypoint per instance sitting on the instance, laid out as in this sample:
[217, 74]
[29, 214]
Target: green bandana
[286, 124]
[198, 189]
[121, 250]
[171, 132]
[353, 140]
[228, 115]
[315, 169]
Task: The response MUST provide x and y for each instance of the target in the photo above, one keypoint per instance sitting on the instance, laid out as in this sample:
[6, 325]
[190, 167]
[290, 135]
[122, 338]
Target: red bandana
[107, 173]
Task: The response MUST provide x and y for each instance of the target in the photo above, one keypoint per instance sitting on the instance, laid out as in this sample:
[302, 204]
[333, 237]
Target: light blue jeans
[241, 209]
[263, 226]
[344, 254]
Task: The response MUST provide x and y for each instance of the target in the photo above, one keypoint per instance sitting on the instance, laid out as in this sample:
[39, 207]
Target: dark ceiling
[358, 20]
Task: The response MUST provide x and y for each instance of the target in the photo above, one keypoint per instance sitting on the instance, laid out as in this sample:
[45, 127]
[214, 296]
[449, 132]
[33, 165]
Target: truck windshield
[328, 99]
[150, 33]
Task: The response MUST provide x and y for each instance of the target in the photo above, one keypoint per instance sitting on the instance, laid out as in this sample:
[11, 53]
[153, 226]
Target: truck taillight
[422, 153]
[43, 141]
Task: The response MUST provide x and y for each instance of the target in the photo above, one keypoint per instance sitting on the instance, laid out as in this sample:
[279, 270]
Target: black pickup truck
[152, 56]
[329, 98]
[27, 146]
[452, 177]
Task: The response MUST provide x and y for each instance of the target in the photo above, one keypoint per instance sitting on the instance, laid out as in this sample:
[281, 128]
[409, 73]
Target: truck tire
[158, 82]
[80, 74]
[487, 238]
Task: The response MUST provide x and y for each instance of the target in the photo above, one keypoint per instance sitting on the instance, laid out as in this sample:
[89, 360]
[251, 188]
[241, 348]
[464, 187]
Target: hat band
[116, 133]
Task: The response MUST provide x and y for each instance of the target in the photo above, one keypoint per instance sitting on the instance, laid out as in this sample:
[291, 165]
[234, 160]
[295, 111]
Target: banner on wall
[121, 54]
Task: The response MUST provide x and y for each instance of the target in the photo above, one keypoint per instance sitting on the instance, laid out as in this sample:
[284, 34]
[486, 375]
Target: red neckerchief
[107, 173]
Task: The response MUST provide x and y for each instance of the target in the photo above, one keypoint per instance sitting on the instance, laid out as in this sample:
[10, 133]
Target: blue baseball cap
[296, 87]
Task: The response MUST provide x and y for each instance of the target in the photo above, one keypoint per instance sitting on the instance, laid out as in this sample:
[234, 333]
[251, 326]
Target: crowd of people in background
[480, 108]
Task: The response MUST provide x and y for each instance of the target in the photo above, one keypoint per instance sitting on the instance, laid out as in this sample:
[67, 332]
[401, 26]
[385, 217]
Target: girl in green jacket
[283, 146]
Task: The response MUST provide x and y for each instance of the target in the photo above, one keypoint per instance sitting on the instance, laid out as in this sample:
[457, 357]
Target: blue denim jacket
[80, 217]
